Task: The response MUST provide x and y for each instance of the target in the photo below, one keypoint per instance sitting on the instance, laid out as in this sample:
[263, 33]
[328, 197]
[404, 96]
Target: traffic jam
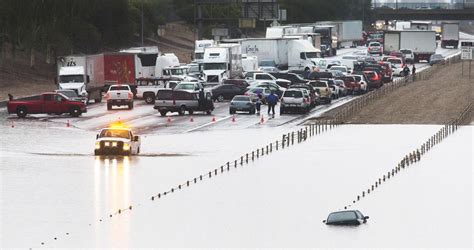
[295, 70]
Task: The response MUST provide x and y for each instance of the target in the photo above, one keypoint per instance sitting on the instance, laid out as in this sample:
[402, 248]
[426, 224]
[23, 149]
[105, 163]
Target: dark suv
[226, 92]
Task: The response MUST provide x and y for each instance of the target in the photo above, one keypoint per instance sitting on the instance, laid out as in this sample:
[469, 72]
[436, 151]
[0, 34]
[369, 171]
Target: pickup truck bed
[46, 103]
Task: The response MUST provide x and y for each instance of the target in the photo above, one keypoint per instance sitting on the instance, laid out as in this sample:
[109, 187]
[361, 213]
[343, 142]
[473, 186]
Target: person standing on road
[406, 70]
[201, 98]
[258, 103]
[272, 100]
[413, 71]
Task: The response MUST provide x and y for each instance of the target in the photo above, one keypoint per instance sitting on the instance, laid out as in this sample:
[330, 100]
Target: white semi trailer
[450, 35]
[145, 61]
[421, 42]
[348, 33]
[291, 53]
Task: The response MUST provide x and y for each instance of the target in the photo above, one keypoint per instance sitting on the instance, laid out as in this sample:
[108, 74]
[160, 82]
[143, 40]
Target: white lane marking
[207, 124]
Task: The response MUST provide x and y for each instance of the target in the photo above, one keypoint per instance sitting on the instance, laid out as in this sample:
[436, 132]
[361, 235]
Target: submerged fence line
[415, 156]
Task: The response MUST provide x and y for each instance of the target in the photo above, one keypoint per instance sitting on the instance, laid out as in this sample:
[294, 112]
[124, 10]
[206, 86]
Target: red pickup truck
[46, 103]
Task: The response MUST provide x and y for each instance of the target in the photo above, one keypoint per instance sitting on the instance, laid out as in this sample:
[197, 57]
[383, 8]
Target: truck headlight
[107, 144]
[97, 145]
[126, 147]
[114, 144]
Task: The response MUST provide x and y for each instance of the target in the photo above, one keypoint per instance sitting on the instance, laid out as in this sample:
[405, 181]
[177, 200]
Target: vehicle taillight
[306, 100]
[107, 96]
[130, 95]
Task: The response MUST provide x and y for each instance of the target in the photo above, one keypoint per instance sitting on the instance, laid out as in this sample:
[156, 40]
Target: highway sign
[466, 53]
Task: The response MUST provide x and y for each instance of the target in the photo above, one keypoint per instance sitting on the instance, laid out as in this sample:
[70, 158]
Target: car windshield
[405, 51]
[358, 78]
[118, 133]
[214, 66]
[342, 216]
[350, 57]
[321, 84]
[394, 61]
[71, 78]
[119, 88]
[312, 55]
[194, 69]
[294, 94]
[178, 72]
[374, 45]
[185, 86]
[339, 68]
[241, 99]
[68, 93]
[267, 64]
[256, 90]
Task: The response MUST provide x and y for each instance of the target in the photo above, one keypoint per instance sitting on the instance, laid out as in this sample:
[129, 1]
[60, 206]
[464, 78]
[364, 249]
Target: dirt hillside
[437, 100]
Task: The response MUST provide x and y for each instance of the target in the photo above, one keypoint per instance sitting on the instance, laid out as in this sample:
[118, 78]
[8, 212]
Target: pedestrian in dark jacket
[413, 71]
[272, 100]
[406, 70]
[258, 103]
[201, 99]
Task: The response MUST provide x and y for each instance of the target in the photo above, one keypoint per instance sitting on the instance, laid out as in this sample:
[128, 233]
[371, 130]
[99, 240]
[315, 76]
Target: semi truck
[421, 42]
[347, 33]
[90, 75]
[221, 62]
[292, 53]
[164, 61]
[449, 35]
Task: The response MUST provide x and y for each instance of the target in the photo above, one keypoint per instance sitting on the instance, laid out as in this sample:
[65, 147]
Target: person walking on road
[272, 100]
[413, 71]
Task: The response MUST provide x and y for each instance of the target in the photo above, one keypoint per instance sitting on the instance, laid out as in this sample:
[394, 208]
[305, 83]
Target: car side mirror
[136, 138]
[97, 136]
[324, 221]
[366, 217]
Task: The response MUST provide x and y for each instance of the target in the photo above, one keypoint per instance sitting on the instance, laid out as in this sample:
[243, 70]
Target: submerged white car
[117, 140]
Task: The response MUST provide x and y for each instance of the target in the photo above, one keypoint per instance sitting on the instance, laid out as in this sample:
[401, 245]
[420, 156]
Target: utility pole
[198, 19]
[142, 21]
[363, 12]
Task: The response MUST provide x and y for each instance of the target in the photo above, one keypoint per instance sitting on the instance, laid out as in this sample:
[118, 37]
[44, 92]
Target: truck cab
[222, 62]
[200, 45]
[73, 78]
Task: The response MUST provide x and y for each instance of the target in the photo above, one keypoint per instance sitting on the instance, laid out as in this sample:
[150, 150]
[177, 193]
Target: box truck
[221, 62]
[449, 35]
[421, 42]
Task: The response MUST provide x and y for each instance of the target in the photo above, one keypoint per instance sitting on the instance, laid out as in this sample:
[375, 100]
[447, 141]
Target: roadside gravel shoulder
[436, 100]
